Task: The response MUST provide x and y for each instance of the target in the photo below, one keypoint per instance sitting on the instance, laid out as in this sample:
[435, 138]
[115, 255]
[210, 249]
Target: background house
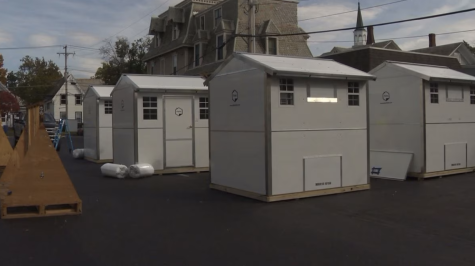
[186, 37]
[55, 102]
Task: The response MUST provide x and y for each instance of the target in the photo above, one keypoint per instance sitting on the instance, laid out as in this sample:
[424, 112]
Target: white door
[178, 131]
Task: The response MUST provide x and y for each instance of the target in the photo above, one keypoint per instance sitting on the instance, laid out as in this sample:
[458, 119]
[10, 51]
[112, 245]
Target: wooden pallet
[290, 196]
[98, 161]
[441, 173]
[43, 210]
[181, 170]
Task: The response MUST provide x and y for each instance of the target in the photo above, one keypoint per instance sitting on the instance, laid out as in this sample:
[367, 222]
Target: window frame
[157, 40]
[61, 99]
[434, 93]
[175, 32]
[175, 63]
[276, 45]
[472, 94]
[76, 116]
[62, 115]
[202, 23]
[197, 63]
[108, 107]
[150, 100]
[223, 51]
[76, 99]
[215, 18]
[353, 96]
[287, 88]
[204, 110]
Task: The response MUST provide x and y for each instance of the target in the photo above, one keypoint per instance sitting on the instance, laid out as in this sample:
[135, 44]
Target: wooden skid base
[298, 195]
[441, 173]
[31, 211]
[2, 168]
[180, 170]
[98, 161]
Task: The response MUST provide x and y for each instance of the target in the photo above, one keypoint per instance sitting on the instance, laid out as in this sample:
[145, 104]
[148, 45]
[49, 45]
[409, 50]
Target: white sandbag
[141, 170]
[78, 153]
[115, 170]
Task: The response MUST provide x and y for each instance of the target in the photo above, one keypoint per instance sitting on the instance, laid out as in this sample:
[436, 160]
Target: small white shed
[162, 121]
[287, 127]
[98, 124]
[422, 121]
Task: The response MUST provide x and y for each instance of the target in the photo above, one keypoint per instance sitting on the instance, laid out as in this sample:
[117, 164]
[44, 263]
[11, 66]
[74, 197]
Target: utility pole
[66, 74]
[252, 26]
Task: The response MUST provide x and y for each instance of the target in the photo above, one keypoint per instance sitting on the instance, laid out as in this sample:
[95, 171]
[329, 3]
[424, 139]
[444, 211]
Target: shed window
[63, 98]
[108, 107]
[353, 94]
[204, 108]
[149, 108]
[286, 92]
[472, 94]
[217, 16]
[78, 99]
[434, 93]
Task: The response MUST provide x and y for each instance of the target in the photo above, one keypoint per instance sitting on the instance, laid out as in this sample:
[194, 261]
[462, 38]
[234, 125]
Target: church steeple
[360, 31]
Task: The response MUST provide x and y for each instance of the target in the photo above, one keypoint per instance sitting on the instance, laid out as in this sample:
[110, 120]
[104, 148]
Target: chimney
[432, 40]
[370, 39]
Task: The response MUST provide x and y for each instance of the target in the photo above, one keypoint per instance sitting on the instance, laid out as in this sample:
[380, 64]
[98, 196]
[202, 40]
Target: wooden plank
[41, 180]
[181, 170]
[441, 173]
[98, 161]
[290, 196]
[5, 149]
[16, 159]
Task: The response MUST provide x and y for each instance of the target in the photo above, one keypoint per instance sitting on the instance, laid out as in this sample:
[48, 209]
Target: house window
[149, 108]
[78, 99]
[175, 63]
[108, 107]
[217, 16]
[78, 116]
[63, 99]
[434, 93]
[62, 115]
[176, 32]
[152, 67]
[272, 46]
[286, 92]
[202, 23]
[353, 94]
[48, 106]
[204, 108]
[157, 41]
[219, 47]
[197, 54]
[162, 66]
[472, 94]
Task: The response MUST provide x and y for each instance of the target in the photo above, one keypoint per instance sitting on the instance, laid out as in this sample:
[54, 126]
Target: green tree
[12, 80]
[34, 79]
[122, 57]
[471, 48]
[3, 72]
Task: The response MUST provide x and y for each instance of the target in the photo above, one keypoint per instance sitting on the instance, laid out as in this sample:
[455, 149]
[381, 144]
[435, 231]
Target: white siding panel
[201, 147]
[150, 143]
[90, 143]
[123, 146]
[123, 106]
[105, 144]
[449, 111]
[290, 148]
[238, 160]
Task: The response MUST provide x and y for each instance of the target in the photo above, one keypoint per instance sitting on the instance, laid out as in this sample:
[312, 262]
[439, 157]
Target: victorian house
[195, 36]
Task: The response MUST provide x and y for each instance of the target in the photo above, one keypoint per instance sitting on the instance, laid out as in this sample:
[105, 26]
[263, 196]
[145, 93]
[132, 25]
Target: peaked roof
[101, 91]
[428, 72]
[297, 66]
[161, 82]
[84, 84]
[446, 49]
[359, 19]
[390, 45]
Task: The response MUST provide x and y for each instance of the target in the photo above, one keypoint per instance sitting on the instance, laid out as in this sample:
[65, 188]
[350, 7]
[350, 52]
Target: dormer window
[175, 32]
[157, 40]
[217, 16]
[202, 23]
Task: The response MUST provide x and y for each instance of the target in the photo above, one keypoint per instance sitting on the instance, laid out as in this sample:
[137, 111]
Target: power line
[84, 48]
[354, 10]
[30, 47]
[352, 28]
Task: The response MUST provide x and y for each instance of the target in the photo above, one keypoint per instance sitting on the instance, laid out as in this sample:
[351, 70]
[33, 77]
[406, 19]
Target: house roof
[446, 49]
[429, 72]
[84, 84]
[101, 91]
[389, 44]
[298, 66]
[161, 82]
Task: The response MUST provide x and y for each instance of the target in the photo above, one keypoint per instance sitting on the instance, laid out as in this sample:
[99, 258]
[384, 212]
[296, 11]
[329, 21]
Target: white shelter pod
[161, 121]
[422, 121]
[98, 124]
[287, 127]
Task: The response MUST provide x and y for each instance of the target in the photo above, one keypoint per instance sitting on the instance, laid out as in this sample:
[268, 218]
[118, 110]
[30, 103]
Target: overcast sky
[87, 22]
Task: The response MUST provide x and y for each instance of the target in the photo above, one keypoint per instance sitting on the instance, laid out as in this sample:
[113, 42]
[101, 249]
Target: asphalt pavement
[178, 220]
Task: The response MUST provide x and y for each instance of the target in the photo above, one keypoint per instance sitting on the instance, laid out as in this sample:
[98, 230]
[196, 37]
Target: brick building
[186, 37]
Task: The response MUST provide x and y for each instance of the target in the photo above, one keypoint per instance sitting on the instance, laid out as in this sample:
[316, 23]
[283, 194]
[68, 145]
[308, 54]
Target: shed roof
[430, 72]
[161, 82]
[101, 91]
[299, 66]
